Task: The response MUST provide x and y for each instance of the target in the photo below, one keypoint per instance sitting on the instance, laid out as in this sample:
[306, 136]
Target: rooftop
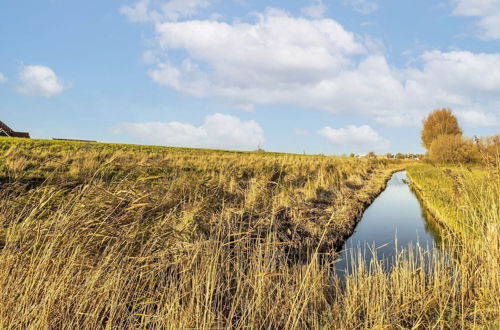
[7, 131]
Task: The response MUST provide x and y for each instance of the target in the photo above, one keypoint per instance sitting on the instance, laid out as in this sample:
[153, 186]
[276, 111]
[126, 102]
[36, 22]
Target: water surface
[395, 217]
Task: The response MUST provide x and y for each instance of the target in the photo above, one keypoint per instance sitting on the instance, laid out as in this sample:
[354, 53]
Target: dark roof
[10, 132]
[21, 135]
[6, 128]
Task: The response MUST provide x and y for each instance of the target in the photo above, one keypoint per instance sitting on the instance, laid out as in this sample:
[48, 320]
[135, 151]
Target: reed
[111, 236]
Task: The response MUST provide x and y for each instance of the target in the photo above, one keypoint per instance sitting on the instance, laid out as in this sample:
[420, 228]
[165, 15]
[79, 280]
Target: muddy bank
[351, 211]
[330, 221]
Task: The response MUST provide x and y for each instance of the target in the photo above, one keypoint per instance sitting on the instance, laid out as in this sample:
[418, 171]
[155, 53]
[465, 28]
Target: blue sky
[295, 76]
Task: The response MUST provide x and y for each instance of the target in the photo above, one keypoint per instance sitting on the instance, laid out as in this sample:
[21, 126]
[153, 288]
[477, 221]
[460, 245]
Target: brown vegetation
[439, 122]
[108, 236]
[443, 139]
[101, 236]
[488, 149]
[452, 149]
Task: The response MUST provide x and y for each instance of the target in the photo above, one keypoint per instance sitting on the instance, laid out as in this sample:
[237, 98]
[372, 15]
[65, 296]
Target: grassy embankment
[466, 202]
[96, 235]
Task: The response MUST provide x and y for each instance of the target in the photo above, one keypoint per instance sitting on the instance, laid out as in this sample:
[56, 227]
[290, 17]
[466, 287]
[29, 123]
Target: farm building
[7, 131]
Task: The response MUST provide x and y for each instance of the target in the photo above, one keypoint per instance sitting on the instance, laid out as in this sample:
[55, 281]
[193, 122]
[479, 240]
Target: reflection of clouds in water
[396, 218]
[431, 226]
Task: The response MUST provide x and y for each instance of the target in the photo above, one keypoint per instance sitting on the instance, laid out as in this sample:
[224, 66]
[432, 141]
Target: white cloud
[362, 138]
[317, 64]
[487, 13]
[362, 6]
[317, 10]
[3, 79]
[218, 131]
[477, 118]
[155, 11]
[254, 63]
[39, 80]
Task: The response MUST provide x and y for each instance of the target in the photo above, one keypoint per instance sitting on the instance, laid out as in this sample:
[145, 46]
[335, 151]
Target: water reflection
[395, 220]
[431, 226]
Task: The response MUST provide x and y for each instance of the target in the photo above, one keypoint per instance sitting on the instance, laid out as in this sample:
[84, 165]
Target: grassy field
[111, 235]
[114, 236]
[466, 202]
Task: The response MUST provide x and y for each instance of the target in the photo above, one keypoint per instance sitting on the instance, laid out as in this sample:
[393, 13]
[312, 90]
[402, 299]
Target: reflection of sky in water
[396, 213]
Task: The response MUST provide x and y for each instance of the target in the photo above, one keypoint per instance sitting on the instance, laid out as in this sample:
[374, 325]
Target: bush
[489, 149]
[452, 149]
[371, 154]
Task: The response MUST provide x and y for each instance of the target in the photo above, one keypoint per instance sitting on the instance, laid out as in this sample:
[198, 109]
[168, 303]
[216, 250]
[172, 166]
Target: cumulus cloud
[254, 63]
[362, 6]
[148, 10]
[3, 79]
[280, 59]
[39, 80]
[487, 13]
[218, 131]
[362, 138]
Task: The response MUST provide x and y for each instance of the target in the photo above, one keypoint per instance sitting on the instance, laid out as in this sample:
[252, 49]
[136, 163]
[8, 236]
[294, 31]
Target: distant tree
[400, 156]
[371, 154]
[389, 156]
[352, 155]
[439, 122]
[452, 149]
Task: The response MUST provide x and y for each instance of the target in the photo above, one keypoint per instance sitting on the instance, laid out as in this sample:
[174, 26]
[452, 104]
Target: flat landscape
[237, 164]
[120, 236]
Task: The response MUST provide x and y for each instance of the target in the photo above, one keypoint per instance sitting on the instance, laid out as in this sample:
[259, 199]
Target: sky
[311, 76]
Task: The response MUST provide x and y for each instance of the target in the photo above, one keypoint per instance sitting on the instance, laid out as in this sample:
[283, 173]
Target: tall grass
[108, 236]
[467, 203]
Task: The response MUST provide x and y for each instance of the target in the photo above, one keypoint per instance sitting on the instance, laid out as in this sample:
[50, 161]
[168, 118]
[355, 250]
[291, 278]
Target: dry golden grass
[108, 236]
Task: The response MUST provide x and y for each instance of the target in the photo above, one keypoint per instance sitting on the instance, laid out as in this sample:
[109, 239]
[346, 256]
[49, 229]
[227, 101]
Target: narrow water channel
[395, 216]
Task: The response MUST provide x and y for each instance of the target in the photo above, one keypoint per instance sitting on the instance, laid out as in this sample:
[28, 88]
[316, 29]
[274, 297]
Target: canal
[395, 219]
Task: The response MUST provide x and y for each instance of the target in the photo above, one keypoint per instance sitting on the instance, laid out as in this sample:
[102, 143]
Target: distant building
[73, 140]
[7, 131]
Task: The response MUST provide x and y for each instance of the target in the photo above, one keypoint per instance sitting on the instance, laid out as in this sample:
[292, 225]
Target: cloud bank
[360, 138]
[218, 131]
[315, 63]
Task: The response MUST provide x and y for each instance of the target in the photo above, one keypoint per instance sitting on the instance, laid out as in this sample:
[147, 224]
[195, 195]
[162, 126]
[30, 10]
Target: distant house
[7, 131]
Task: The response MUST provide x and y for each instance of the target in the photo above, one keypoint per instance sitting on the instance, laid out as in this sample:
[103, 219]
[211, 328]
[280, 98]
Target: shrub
[452, 149]
[489, 149]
